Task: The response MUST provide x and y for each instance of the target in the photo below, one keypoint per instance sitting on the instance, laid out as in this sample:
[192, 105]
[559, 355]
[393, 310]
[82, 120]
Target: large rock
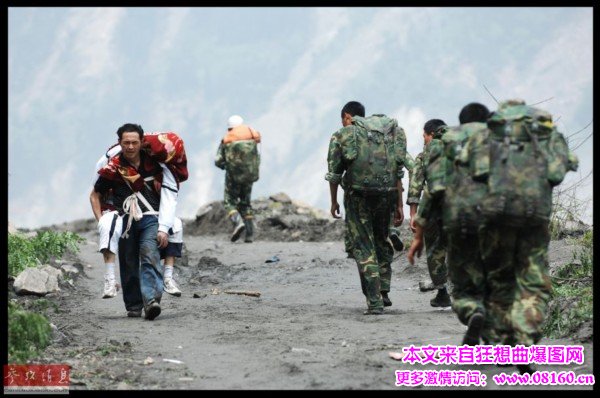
[36, 281]
[281, 198]
[276, 218]
[204, 210]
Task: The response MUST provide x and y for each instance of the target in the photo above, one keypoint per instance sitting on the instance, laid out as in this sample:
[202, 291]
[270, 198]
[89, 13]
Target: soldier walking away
[519, 158]
[238, 155]
[435, 241]
[459, 198]
[367, 157]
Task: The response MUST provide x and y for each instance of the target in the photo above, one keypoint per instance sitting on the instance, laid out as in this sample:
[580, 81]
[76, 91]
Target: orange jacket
[240, 133]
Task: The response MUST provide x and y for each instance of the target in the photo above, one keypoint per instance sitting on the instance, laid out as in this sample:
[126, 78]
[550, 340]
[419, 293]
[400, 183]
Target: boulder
[56, 272]
[36, 281]
[280, 197]
[202, 211]
[276, 218]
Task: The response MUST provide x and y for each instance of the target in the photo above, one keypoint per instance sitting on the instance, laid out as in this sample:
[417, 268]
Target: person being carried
[238, 155]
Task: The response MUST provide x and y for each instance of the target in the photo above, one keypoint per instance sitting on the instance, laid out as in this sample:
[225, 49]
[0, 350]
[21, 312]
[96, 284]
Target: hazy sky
[76, 74]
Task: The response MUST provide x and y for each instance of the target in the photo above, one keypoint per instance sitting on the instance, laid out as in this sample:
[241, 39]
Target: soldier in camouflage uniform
[465, 266]
[238, 156]
[397, 243]
[517, 208]
[367, 157]
[500, 269]
[394, 234]
[435, 241]
[394, 238]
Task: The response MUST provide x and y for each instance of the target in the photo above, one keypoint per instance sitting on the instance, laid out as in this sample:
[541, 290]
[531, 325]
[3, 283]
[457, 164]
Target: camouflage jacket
[345, 151]
[416, 181]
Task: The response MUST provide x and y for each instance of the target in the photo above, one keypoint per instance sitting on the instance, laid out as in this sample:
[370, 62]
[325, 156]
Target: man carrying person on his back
[133, 177]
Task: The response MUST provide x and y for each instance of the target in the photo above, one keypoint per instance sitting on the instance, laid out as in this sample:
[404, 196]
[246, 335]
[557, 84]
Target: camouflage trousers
[510, 286]
[435, 249]
[348, 239]
[368, 222]
[515, 261]
[468, 276]
[237, 197]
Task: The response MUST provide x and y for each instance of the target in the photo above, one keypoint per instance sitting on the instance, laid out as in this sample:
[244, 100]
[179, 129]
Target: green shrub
[26, 252]
[572, 302]
[50, 244]
[28, 334]
[21, 254]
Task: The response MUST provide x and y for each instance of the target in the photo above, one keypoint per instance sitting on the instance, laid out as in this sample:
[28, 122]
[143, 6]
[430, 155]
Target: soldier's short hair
[432, 125]
[473, 112]
[354, 108]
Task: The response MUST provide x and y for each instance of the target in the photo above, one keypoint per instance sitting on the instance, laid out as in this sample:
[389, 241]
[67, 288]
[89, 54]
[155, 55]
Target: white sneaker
[171, 287]
[110, 288]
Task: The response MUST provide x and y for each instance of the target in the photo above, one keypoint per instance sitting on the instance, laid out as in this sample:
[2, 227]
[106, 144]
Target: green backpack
[463, 195]
[375, 148]
[521, 159]
[242, 161]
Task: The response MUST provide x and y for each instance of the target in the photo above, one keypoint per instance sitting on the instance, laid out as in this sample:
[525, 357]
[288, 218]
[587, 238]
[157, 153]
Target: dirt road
[305, 331]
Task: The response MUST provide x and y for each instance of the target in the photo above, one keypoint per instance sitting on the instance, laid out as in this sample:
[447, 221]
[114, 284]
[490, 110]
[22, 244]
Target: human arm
[415, 187]
[101, 187]
[95, 201]
[220, 158]
[416, 247]
[419, 221]
[402, 161]
[399, 206]
[335, 207]
[335, 170]
[413, 212]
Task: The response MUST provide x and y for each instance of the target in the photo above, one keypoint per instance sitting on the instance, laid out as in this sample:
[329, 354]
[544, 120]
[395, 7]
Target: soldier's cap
[234, 121]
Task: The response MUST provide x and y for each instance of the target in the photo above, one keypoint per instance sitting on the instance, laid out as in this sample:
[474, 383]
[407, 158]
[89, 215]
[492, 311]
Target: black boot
[386, 300]
[249, 230]
[442, 299]
[474, 327]
[238, 226]
[396, 242]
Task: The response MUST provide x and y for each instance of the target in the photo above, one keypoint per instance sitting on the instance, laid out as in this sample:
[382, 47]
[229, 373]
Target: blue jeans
[139, 263]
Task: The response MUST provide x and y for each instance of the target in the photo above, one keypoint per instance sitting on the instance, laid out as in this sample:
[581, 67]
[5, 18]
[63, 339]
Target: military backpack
[242, 161]
[462, 195]
[375, 149]
[521, 159]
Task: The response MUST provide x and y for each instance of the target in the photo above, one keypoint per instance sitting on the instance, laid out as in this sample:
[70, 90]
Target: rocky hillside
[276, 218]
